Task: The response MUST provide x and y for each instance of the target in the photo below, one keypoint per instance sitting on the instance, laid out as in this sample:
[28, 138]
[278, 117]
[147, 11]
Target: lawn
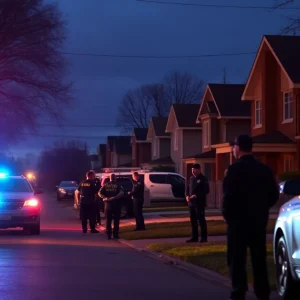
[176, 230]
[154, 209]
[211, 256]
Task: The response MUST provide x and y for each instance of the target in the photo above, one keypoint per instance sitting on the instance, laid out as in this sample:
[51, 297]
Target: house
[122, 152]
[95, 162]
[110, 141]
[102, 155]
[141, 148]
[160, 144]
[223, 116]
[185, 133]
[273, 89]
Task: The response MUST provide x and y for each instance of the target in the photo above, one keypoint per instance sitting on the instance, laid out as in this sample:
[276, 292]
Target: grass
[174, 215]
[211, 256]
[176, 230]
[164, 209]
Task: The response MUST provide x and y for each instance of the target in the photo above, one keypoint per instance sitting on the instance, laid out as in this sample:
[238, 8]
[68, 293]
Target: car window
[158, 178]
[68, 184]
[175, 179]
[17, 185]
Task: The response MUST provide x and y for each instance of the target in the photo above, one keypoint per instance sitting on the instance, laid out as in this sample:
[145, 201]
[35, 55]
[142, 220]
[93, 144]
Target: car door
[159, 187]
[177, 186]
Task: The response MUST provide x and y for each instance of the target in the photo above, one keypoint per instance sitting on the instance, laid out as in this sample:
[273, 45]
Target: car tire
[287, 287]
[124, 212]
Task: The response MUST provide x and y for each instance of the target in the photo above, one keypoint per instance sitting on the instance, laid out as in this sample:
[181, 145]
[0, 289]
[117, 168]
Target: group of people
[88, 193]
[249, 191]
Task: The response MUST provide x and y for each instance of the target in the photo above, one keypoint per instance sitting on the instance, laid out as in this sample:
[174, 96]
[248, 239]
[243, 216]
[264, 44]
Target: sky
[130, 27]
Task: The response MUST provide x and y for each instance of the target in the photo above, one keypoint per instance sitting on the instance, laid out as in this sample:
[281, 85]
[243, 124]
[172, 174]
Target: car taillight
[31, 203]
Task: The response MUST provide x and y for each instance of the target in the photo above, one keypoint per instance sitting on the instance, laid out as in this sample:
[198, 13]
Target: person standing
[249, 191]
[196, 192]
[97, 202]
[87, 191]
[112, 193]
[137, 195]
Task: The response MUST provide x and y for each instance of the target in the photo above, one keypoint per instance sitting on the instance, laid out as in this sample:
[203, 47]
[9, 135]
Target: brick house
[160, 143]
[273, 89]
[223, 116]
[141, 148]
[186, 134]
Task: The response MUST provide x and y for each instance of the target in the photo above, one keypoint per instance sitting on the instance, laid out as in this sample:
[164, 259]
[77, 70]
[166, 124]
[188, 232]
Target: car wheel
[286, 286]
[124, 211]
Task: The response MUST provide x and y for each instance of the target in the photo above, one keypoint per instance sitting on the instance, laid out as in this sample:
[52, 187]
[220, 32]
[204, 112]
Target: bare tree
[293, 22]
[32, 76]
[135, 110]
[182, 88]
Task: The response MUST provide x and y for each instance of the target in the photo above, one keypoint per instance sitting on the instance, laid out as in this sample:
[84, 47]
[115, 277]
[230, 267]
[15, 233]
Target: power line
[79, 126]
[217, 5]
[157, 56]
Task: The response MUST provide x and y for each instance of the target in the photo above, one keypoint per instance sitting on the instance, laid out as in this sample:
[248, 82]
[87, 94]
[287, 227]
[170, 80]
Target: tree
[293, 24]
[32, 77]
[135, 109]
[65, 161]
[182, 88]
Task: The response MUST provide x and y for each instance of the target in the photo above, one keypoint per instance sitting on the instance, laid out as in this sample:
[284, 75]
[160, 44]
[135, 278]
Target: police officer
[249, 191]
[112, 193]
[137, 195]
[87, 191]
[97, 202]
[196, 191]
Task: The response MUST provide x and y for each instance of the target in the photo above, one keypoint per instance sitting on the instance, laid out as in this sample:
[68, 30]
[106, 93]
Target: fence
[214, 198]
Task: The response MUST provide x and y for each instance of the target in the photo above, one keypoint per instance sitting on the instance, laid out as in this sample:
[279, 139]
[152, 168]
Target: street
[62, 263]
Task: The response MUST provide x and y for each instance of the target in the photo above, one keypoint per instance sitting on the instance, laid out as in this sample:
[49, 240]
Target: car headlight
[61, 190]
[31, 203]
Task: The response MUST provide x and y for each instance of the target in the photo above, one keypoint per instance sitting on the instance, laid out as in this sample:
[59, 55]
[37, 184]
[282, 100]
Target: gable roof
[123, 145]
[159, 126]
[228, 99]
[186, 114]
[140, 134]
[287, 50]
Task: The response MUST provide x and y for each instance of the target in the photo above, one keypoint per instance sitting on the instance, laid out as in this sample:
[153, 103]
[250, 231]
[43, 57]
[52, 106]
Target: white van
[162, 186]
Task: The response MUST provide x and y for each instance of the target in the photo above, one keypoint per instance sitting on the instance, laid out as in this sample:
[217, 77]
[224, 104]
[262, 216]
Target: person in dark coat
[87, 191]
[112, 193]
[137, 195]
[249, 191]
[196, 192]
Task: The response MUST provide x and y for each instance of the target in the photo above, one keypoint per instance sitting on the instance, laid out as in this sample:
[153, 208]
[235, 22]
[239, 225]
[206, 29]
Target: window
[288, 163]
[176, 140]
[175, 180]
[154, 147]
[206, 133]
[258, 122]
[159, 178]
[287, 106]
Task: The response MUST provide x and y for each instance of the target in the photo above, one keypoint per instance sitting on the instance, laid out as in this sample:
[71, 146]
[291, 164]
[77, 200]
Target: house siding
[123, 159]
[134, 152]
[154, 145]
[192, 143]
[144, 153]
[164, 147]
[176, 154]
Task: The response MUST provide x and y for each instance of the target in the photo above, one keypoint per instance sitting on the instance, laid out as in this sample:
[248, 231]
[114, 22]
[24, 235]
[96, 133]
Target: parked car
[286, 242]
[19, 204]
[162, 186]
[66, 189]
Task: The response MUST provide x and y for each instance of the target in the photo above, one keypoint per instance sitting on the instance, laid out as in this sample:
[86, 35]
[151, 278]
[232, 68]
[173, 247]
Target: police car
[19, 206]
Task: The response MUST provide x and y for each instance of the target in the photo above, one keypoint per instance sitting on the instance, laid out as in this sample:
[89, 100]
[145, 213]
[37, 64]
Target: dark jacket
[249, 191]
[199, 187]
[109, 190]
[138, 190]
[88, 191]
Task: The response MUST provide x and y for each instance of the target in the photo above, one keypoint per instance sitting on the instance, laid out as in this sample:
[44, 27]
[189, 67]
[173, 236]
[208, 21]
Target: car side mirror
[290, 187]
[38, 191]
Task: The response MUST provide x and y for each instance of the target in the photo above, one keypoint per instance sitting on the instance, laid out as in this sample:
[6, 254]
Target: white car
[162, 186]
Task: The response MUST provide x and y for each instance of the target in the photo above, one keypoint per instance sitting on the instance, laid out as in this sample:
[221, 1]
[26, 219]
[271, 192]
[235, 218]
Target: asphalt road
[63, 264]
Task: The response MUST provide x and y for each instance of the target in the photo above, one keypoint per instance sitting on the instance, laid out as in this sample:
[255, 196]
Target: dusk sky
[129, 27]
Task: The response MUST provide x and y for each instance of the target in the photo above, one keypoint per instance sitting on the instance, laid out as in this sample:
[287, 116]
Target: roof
[159, 126]
[287, 50]
[102, 148]
[140, 134]
[111, 142]
[275, 137]
[207, 154]
[123, 145]
[186, 114]
[228, 98]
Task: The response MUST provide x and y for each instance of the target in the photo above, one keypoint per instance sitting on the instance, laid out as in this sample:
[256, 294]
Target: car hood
[11, 195]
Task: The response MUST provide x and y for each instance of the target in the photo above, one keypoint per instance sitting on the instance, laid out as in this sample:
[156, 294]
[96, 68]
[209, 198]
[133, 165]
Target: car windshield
[68, 184]
[17, 185]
